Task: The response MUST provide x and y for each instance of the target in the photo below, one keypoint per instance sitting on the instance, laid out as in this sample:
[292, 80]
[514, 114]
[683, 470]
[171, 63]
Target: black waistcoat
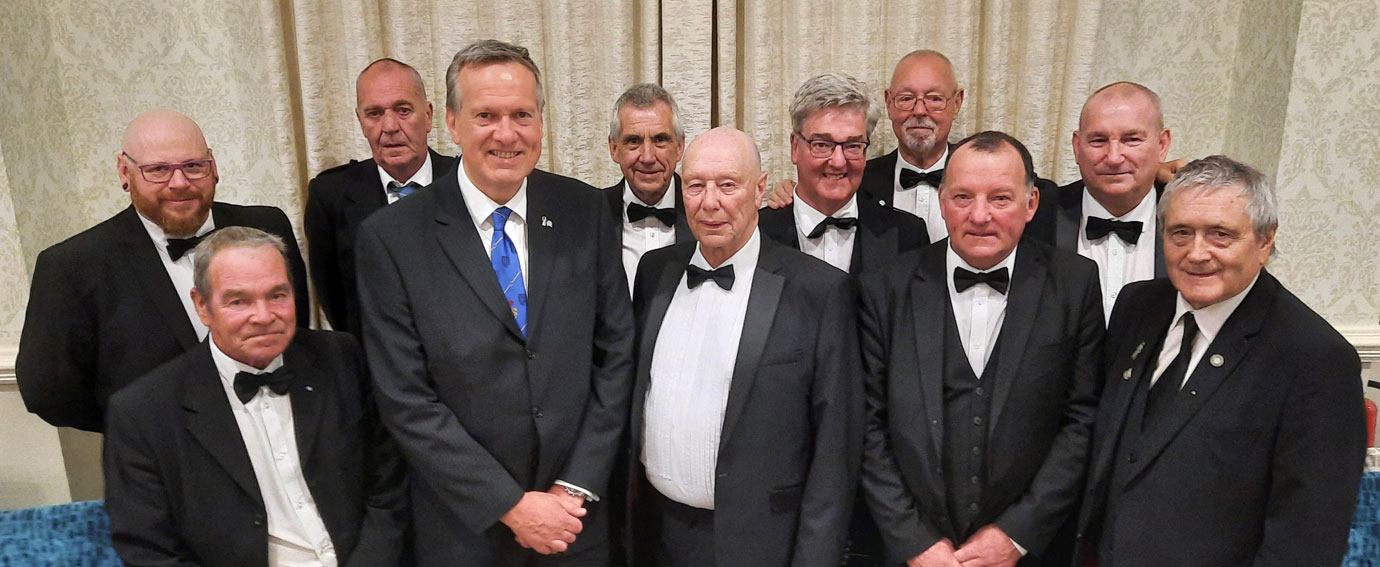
[967, 410]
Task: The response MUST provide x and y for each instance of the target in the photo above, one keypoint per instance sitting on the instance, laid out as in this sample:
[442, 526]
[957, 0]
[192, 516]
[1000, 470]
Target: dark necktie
[995, 279]
[1163, 392]
[844, 223]
[910, 178]
[247, 384]
[399, 190]
[178, 247]
[722, 276]
[1127, 231]
[638, 212]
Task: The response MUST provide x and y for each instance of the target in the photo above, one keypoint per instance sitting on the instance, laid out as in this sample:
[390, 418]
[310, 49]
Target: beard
[175, 224]
[919, 144]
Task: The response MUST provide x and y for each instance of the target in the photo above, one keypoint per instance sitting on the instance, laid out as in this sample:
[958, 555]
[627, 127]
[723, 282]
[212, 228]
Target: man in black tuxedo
[499, 332]
[113, 302]
[1231, 429]
[747, 415]
[832, 120]
[395, 116]
[981, 359]
[261, 447]
[646, 140]
[1109, 215]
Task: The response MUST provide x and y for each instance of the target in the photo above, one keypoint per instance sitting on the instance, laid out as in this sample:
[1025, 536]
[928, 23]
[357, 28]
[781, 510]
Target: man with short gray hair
[1231, 429]
[646, 140]
[261, 447]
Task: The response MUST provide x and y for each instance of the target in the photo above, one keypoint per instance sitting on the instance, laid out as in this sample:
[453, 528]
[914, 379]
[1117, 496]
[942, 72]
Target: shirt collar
[160, 238]
[423, 176]
[745, 256]
[806, 217]
[938, 165]
[482, 208]
[228, 367]
[1144, 211]
[953, 260]
[668, 200]
[1212, 318]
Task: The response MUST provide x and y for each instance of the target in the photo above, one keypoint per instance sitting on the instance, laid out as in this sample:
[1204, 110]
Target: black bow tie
[178, 247]
[638, 212]
[995, 279]
[248, 384]
[843, 223]
[910, 178]
[722, 276]
[1128, 231]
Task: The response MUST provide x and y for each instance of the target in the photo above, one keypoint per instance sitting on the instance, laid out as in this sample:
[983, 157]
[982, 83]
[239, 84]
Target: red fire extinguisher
[1370, 416]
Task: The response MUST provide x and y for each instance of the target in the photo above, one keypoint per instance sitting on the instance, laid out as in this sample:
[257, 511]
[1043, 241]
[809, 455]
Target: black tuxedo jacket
[180, 488]
[1258, 464]
[338, 199]
[1057, 223]
[792, 430]
[481, 413]
[102, 312]
[614, 195]
[883, 233]
[1043, 401]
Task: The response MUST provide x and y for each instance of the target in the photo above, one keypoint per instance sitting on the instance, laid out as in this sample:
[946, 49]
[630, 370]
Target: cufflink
[1217, 361]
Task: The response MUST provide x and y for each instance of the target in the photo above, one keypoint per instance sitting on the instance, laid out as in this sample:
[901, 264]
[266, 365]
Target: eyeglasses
[820, 148]
[934, 102]
[163, 172]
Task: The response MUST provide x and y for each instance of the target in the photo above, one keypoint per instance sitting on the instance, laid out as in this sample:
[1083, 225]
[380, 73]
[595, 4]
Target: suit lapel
[456, 235]
[873, 240]
[929, 294]
[543, 239]
[1232, 344]
[879, 180]
[763, 299]
[778, 225]
[1022, 305]
[142, 261]
[309, 390]
[212, 424]
[682, 224]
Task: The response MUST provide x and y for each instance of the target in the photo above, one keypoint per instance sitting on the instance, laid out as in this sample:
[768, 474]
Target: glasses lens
[157, 173]
[196, 169]
[854, 149]
[905, 101]
[935, 102]
[821, 148]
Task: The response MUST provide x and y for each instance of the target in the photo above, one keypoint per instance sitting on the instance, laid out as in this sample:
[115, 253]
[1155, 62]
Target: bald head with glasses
[168, 171]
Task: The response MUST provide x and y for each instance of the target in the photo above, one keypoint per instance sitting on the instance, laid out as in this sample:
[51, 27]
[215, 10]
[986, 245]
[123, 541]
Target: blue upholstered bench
[1363, 547]
[66, 535]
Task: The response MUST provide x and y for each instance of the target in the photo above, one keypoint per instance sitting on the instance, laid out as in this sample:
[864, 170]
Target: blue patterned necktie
[504, 257]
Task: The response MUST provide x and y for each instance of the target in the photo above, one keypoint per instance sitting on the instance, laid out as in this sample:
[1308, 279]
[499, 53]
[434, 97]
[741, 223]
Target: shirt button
[979, 392]
[976, 451]
[977, 420]
[536, 412]
[973, 480]
[531, 355]
[973, 508]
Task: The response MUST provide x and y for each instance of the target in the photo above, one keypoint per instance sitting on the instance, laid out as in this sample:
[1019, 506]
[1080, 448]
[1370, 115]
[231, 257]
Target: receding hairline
[923, 54]
[1124, 90]
[159, 121]
[388, 64]
[739, 138]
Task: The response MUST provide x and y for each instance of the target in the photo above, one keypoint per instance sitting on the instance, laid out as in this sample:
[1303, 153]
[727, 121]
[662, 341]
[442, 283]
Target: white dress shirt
[482, 209]
[647, 234]
[1119, 263]
[923, 200]
[835, 246]
[979, 310]
[692, 368]
[297, 536]
[422, 177]
[1210, 320]
[180, 272]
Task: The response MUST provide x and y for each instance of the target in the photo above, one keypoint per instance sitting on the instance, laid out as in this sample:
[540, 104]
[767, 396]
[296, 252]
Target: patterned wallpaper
[14, 276]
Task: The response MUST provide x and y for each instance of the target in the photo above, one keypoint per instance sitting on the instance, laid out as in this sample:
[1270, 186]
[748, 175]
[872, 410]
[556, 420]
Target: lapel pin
[1192, 392]
[1139, 347]
[1126, 375]
[1216, 361]
[546, 222]
[309, 389]
[882, 202]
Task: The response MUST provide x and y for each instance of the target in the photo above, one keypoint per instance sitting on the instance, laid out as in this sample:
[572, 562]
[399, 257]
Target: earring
[124, 186]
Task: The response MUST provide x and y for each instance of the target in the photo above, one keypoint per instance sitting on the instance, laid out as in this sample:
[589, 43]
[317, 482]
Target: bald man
[747, 412]
[395, 117]
[114, 302]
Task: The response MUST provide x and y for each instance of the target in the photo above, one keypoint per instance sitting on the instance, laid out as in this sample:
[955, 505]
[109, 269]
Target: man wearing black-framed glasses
[113, 302]
[832, 119]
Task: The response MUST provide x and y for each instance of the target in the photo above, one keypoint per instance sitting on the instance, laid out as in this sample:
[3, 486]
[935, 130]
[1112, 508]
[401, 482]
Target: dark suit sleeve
[837, 412]
[57, 363]
[142, 528]
[386, 513]
[606, 412]
[904, 531]
[323, 251]
[1318, 456]
[476, 487]
[1054, 492]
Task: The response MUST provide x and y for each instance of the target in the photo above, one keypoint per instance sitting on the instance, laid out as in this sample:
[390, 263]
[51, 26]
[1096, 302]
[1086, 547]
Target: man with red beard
[114, 302]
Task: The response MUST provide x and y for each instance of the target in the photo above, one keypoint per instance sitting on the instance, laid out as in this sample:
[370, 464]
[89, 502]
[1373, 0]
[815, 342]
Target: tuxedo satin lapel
[1069, 216]
[543, 240]
[1022, 305]
[1127, 368]
[143, 264]
[656, 314]
[212, 424]
[308, 397]
[874, 241]
[929, 293]
[458, 239]
[879, 179]
[1232, 344]
[682, 224]
[779, 226]
[763, 299]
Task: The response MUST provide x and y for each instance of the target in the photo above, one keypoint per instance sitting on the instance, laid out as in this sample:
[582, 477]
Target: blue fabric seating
[1363, 546]
[66, 535]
